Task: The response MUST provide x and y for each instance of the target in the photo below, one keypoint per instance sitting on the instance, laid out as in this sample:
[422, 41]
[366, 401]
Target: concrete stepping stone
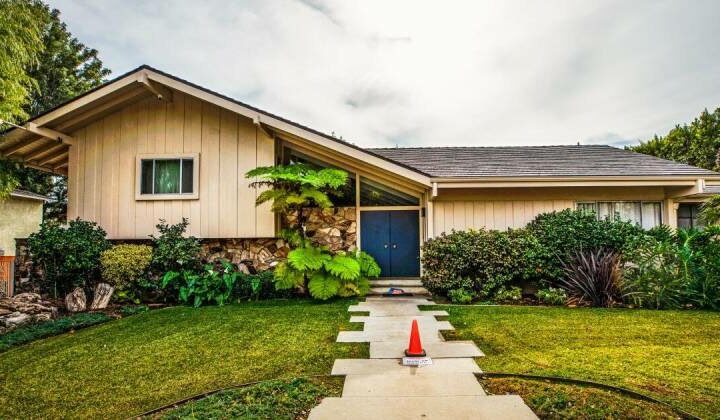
[395, 367]
[385, 335]
[396, 349]
[398, 385]
[381, 387]
[506, 407]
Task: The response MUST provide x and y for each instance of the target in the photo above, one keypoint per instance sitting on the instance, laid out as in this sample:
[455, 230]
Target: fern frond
[344, 267]
[323, 286]
[307, 258]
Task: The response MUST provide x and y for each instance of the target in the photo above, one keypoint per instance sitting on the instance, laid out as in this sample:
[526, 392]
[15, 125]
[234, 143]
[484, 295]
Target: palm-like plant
[594, 276]
[710, 211]
[291, 188]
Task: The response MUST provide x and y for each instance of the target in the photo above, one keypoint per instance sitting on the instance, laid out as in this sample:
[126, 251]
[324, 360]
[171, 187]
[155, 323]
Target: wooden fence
[7, 274]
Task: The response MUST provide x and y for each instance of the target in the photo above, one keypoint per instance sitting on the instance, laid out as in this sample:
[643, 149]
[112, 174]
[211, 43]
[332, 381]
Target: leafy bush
[508, 295]
[172, 250]
[552, 296]
[461, 296]
[258, 286]
[69, 256]
[214, 284]
[123, 266]
[327, 274]
[44, 329]
[479, 260]
[594, 276]
[562, 233]
[676, 271]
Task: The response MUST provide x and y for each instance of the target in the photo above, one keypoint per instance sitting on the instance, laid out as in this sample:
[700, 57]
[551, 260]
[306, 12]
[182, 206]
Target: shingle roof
[536, 161]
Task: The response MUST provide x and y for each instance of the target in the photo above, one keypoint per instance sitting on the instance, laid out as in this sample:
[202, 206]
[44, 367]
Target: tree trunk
[76, 300]
[101, 296]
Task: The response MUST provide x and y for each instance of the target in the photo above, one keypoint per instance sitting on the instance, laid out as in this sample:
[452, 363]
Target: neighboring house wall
[502, 208]
[19, 218]
[102, 170]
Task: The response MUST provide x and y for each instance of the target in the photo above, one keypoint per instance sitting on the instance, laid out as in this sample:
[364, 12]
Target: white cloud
[381, 73]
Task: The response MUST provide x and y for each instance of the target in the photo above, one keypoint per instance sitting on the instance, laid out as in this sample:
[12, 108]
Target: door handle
[386, 245]
[394, 246]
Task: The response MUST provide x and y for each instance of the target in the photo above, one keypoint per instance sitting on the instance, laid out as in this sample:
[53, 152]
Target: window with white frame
[647, 214]
[167, 177]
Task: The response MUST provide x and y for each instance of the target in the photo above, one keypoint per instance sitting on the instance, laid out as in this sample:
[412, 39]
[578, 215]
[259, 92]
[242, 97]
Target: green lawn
[138, 363]
[671, 355]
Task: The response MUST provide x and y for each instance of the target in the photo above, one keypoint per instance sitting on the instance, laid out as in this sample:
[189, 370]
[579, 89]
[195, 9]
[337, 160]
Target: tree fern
[286, 277]
[323, 286]
[308, 258]
[343, 266]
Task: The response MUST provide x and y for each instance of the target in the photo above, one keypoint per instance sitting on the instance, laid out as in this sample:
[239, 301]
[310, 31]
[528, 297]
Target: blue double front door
[393, 238]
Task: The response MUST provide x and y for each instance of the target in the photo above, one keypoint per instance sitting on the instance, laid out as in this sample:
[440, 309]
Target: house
[20, 215]
[148, 145]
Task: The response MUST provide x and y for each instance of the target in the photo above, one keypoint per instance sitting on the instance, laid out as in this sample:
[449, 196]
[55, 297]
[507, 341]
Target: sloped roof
[29, 195]
[536, 161]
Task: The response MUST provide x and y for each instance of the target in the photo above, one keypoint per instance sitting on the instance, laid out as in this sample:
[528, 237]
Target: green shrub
[325, 274]
[68, 256]
[479, 260]
[675, 271]
[552, 296]
[562, 233]
[214, 284]
[258, 287]
[123, 266]
[511, 294]
[44, 329]
[461, 296]
[173, 251]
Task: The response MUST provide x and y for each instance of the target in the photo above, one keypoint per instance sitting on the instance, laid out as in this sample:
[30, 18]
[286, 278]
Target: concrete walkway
[382, 388]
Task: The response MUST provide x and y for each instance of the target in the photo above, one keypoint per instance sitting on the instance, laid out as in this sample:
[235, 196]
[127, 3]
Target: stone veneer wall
[335, 228]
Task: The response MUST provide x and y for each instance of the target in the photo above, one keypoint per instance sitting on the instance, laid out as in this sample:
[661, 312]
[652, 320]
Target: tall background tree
[41, 66]
[697, 143]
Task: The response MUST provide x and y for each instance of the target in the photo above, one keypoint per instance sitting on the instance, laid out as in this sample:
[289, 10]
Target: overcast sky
[386, 73]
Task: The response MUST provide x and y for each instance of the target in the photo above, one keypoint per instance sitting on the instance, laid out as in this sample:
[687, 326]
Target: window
[167, 177]
[375, 194]
[687, 215]
[647, 214]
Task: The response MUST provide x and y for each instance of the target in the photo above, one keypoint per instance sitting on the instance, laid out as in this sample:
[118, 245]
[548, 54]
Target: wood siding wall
[102, 178]
[504, 208]
[499, 215]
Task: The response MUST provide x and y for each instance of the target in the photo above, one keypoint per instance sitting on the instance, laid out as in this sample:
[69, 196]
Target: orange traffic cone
[415, 349]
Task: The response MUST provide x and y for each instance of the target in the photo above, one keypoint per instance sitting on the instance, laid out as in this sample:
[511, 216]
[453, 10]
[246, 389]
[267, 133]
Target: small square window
[167, 177]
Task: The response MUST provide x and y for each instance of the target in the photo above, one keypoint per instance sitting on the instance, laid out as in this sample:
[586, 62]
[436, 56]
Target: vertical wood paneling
[174, 127]
[228, 190]
[192, 142]
[103, 170]
[490, 214]
[144, 210]
[93, 171]
[156, 144]
[108, 187]
[210, 173]
[264, 217]
[126, 186]
[439, 210]
[459, 221]
[247, 159]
